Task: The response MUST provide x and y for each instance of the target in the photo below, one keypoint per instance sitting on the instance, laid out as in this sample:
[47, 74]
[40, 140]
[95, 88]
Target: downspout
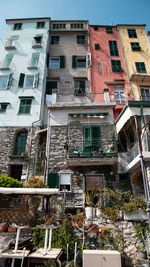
[125, 62]
[143, 121]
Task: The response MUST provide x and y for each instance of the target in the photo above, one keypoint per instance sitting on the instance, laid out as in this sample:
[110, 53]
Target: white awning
[29, 191]
[130, 112]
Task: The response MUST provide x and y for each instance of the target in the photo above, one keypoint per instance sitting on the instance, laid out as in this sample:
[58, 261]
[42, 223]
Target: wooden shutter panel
[62, 62]
[36, 80]
[74, 62]
[9, 81]
[96, 136]
[53, 180]
[87, 138]
[21, 80]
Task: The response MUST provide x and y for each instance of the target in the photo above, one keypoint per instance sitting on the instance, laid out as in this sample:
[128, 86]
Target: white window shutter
[36, 80]
[88, 60]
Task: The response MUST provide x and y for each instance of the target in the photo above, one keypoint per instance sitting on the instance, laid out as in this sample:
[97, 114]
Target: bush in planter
[134, 205]
[6, 181]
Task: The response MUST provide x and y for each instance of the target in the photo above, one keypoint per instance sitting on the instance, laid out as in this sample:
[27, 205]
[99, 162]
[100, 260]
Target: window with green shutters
[91, 138]
[140, 67]
[25, 106]
[116, 66]
[53, 180]
[28, 81]
[135, 46]
[55, 39]
[109, 30]
[132, 33]
[78, 62]
[56, 63]
[80, 39]
[113, 48]
[20, 144]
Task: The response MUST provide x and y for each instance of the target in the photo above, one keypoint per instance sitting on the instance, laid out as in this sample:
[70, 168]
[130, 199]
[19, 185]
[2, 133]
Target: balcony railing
[129, 156]
[11, 44]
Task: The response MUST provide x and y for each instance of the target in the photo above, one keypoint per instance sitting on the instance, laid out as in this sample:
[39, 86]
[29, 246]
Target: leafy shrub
[9, 182]
[35, 183]
[134, 205]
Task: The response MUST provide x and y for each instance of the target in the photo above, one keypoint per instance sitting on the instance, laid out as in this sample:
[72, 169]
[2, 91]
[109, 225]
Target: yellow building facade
[136, 51]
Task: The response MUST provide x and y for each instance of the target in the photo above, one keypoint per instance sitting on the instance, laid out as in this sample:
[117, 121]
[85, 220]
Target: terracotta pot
[3, 228]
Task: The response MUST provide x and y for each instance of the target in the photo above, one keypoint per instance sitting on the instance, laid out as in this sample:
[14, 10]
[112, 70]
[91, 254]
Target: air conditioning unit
[101, 258]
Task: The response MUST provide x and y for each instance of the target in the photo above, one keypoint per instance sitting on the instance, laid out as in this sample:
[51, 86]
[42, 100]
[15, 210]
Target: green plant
[50, 263]
[134, 205]
[35, 183]
[112, 213]
[6, 181]
[89, 196]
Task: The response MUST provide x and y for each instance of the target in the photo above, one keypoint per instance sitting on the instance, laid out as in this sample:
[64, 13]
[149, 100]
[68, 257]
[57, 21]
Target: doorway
[16, 171]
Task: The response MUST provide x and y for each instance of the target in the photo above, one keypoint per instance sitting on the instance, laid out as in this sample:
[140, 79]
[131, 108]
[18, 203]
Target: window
[113, 49]
[119, 95]
[49, 86]
[77, 26]
[34, 60]
[95, 28]
[37, 40]
[11, 43]
[25, 105]
[145, 93]
[7, 61]
[140, 67]
[28, 81]
[40, 25]
[5, 81]
[132, 33]
[3, 107]
[65, 182]
[17, 26]
[54, 40]
[56, 63]
[79, 86]
[53, 180]
[59, 26]
[116, 66]
[97, 47]
[135, 46]
[80, 39]
[109, 30]
[91, 139]
[100, 68]
[78, 62]
[20, 144]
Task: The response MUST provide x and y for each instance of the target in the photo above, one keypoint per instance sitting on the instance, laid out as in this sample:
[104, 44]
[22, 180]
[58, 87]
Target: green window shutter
[74, 62]
[96, 138]
[53, 180]
[113, 48]
[62, 62]
[21, 143]
[21, 80]
[9, 81]
[36, 80]
[25, 106]
[87, 139]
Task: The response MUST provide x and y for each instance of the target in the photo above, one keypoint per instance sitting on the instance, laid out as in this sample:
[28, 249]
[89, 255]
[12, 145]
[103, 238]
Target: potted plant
[90, 209]
[135, 209]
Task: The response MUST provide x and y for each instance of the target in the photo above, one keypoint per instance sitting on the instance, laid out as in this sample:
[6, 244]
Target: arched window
[20, 145]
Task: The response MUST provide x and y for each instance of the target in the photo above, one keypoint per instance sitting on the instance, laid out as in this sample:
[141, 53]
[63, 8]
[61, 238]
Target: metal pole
[145, 180]
[45, 244]
[17, 239]
[50, 239]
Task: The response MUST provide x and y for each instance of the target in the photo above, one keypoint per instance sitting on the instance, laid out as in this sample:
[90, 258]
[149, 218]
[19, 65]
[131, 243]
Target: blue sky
[96, 11]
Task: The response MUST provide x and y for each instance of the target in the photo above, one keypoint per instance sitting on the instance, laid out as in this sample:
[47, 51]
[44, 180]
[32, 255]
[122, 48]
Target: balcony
[11, 44]
[140, 77]
[37, 42]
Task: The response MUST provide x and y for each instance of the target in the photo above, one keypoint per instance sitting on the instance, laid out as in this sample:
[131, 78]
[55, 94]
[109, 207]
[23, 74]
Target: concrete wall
[21, 60]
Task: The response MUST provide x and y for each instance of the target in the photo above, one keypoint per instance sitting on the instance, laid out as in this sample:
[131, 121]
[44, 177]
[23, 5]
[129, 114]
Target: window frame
[8, 82]
[59, 26]
[62, 184]
[42, 23]
[140, 68]
[49, 89]
[109, 30]
[135, 47]
[55, 58]
[88, 145]
[76, 25]
[80, 41]
[21, 148]
[144, 96]
[114, 66]
[17, 27]
[97, 46]
[79, 90]
[132, 33]
[55, 39]
[122, 97]
[113, 48]
[26, 107]
[3, 110]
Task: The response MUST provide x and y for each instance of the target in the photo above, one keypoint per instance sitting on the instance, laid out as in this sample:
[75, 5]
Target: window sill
[36, 46]
[3, 68]
[32, 68]
[16, 156]
[10, 47]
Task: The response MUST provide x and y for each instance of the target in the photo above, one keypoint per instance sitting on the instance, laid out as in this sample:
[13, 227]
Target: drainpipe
[145, 180]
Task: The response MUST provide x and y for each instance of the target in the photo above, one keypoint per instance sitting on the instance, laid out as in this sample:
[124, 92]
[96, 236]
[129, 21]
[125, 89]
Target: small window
[25, 106]
[135, 46]
[81, 62]
[119, 95]
[91, 139]
[3, 107]
[113, 49]
[54, 40]
[40, 25]
[49, 86]
[65, 182]
[7, 61]
[17, 26]
[116, 66]
[77, 26]
[80, 39]
[79, 88]
[38, 40]
[28, 81]
[145, 93]
[100, 68]
[5, 81]
[97, 47]
[20, 144]
[132, 33]
[54, 63]
[59, 26]
[34, 60]
[140, 67]
[109, 30]
[95, 28]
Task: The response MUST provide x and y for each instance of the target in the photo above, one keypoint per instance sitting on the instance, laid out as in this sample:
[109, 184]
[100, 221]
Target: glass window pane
[3, 82]
[54, 63]
[29, 81]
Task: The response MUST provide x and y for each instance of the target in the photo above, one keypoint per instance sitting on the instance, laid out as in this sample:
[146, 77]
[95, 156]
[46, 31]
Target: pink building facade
[108, 72]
